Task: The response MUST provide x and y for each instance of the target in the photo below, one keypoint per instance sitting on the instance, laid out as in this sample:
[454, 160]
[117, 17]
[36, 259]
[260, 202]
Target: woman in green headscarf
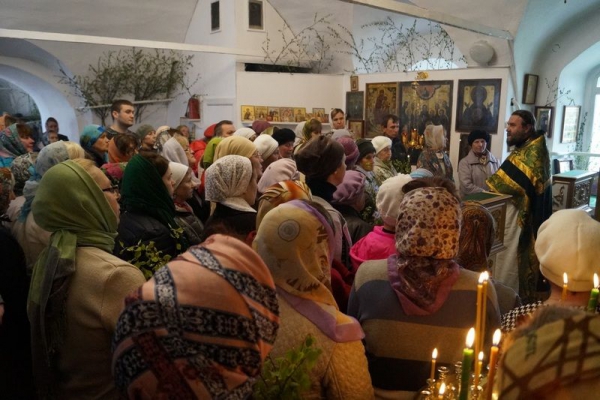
[148, 236]
[77, 287]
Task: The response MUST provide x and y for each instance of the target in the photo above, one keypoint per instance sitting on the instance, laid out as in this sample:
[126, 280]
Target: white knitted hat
[390, 196]
[569, 241]
[266, 145]
[380, 143]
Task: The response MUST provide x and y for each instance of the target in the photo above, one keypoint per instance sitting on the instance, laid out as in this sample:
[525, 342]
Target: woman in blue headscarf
[94, 141]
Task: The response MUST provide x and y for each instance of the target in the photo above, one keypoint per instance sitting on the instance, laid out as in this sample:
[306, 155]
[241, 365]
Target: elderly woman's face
[385, 154]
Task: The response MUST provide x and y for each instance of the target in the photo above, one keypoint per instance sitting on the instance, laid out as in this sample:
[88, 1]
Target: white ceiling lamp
[482, 52]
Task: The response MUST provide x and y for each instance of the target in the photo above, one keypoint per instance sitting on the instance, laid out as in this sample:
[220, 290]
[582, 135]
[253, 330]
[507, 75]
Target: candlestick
[484, 290]
[593, 302]
[478, 315]
[478, 366]
[467, 365]
[492, 364]
[442, 390]
[564, 291]
[434, 355]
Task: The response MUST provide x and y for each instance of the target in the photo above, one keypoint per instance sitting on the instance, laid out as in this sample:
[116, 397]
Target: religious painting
[425, 103]
[543, 119]
[530, 88]
[570, 124]
[273, 114]
[354, 83]
[478, 105]
[355, 104]
[299, 114]
[381, 100]
[247, 113]
[357, 127]
[287, 114]
[319, 114]
[260, 113]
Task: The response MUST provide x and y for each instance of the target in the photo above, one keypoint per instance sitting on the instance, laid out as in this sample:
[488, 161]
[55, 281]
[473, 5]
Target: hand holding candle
[593, 302]
[434, 355]
[467, 365]
[492, 365]
[564, 292]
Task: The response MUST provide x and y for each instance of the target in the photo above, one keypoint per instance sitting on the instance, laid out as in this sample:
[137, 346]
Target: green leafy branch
[143, 74]
[288, 377]
[146, 257]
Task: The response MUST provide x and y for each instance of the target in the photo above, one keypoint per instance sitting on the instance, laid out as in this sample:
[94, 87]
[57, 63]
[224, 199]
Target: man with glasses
[525, 175]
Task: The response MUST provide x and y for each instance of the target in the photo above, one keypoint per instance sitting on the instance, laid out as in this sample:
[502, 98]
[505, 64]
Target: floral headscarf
[427, 232]
[10, 143]
[6, 186]
[280, 193]
[22, 169]
[200, 328]
[296, 243]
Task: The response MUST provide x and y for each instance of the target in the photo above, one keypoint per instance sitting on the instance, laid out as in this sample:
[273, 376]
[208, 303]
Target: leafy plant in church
[138, 73]
[287, 377]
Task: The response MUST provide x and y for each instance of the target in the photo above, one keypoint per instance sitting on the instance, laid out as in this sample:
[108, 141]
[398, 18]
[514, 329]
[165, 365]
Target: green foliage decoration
[287, 377]
[138, 73]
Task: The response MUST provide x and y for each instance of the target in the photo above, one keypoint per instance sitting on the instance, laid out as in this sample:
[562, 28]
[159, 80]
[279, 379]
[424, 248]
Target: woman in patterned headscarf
[200, 328]
[296, 242]
[418, 292]
[15, 141]
[280, 193]
[94, 141]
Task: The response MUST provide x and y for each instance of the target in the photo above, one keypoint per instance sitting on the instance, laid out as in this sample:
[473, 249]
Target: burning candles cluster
[474, 352]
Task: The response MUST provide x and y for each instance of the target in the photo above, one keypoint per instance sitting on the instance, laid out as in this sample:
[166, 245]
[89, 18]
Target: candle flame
[497, 336]
[442, 389]
[596, 281]
[434, 354]
[483, 277]
[565, 278]
[470, 337]
[480, 356]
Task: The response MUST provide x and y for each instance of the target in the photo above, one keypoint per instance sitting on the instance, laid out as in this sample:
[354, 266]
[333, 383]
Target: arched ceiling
[163, 20]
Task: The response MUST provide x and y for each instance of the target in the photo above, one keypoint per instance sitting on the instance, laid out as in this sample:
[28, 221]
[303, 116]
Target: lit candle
[564, 292]
[467, 365]
[434, 355]
[442, 390]
[481, 337]
[478, 367]
[492, 364]
[593, 303]
[478, 315]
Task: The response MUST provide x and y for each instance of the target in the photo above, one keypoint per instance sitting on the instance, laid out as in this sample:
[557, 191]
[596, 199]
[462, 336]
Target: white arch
[37, 80]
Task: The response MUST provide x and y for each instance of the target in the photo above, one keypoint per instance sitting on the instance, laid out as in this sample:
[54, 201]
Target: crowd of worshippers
[140, 264]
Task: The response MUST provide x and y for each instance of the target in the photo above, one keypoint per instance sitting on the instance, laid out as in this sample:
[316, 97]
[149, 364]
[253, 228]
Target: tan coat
[341, 371]
[96, 297]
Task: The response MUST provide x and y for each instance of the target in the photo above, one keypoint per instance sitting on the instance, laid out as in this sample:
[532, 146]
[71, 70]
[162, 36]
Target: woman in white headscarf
[231, 183]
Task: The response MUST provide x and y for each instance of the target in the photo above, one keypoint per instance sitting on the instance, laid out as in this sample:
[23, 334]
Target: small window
[255, 14]
[215, 16]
